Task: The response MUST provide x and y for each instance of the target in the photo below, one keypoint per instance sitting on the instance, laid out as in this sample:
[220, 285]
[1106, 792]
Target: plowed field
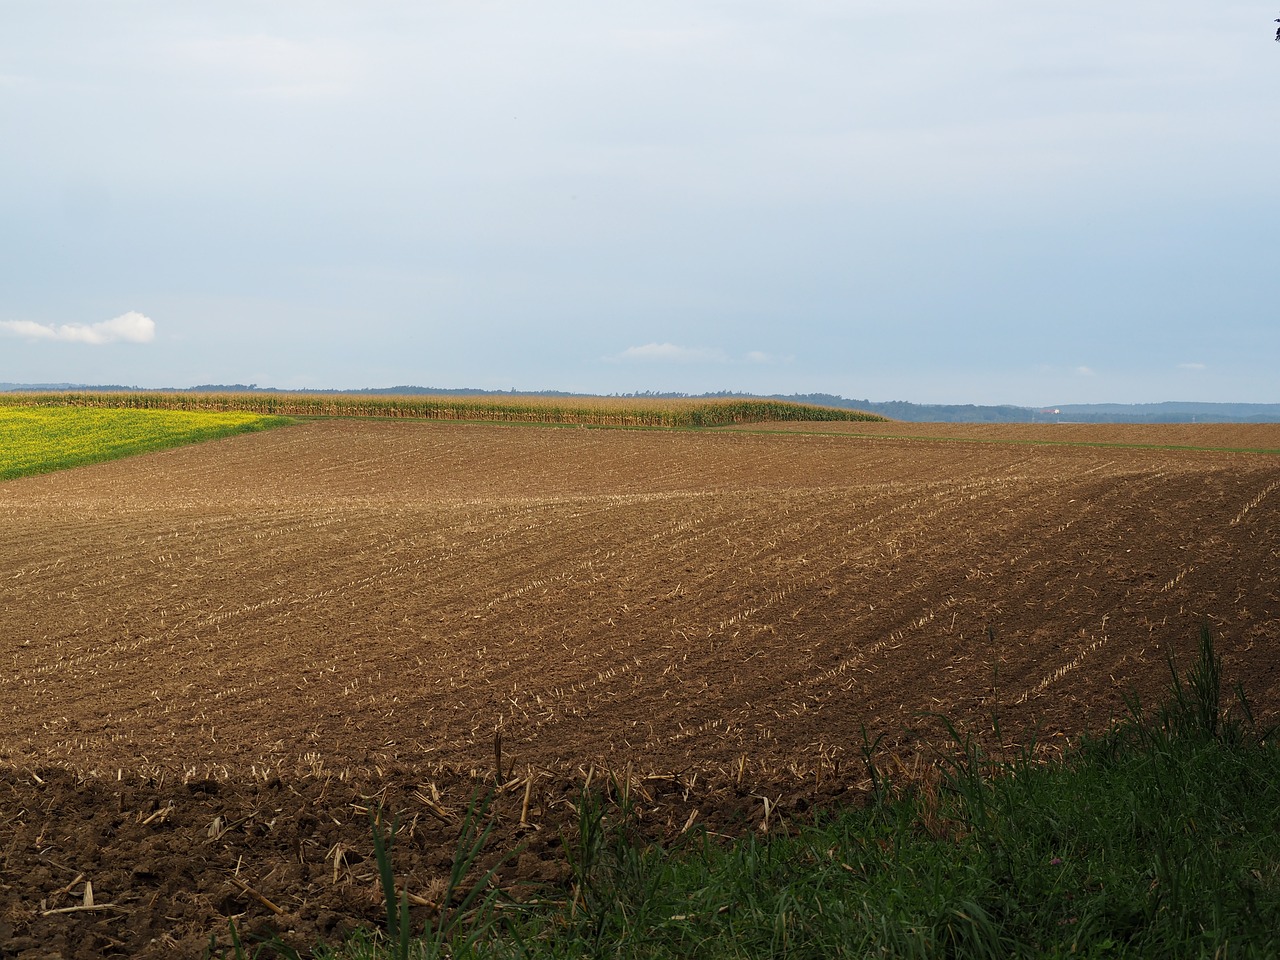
[211, 655]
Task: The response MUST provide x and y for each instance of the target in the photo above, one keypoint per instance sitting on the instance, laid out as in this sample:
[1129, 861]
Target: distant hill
[1168, 412]
[1172, 413]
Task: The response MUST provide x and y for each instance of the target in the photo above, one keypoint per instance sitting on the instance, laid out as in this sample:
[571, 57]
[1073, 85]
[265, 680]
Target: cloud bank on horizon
[131, 327]
[998, 202]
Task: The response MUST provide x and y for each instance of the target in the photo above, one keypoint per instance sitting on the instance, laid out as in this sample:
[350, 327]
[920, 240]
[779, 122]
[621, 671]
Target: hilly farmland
[276, 627]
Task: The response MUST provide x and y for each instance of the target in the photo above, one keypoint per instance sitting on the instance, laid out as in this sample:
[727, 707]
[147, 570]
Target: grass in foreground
[1159, 839]
[43, 439]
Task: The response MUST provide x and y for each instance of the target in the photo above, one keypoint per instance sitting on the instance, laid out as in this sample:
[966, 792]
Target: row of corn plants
[1160, 838]
[41, 439]
[588, 411]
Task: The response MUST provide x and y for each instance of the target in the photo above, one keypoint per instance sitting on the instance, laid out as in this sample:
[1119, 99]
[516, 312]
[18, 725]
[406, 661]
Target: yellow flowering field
[41, 439]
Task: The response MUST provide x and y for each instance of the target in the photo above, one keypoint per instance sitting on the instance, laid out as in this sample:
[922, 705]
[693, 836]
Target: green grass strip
[1167, 851]
[1153, 845]
[37, 440]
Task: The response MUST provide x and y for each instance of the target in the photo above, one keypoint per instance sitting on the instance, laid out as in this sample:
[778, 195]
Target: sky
[981, 201]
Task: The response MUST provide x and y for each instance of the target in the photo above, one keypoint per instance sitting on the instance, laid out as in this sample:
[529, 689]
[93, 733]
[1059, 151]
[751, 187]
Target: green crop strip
[43, 439]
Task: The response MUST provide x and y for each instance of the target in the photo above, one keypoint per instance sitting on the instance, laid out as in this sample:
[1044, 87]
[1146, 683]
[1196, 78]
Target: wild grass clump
[1159, 838]
[465, 912]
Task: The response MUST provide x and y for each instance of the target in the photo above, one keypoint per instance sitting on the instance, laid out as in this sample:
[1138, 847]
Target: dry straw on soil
[259, 635]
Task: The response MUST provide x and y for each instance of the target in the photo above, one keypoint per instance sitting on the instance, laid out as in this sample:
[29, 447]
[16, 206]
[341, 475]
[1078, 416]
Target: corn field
[586, 411]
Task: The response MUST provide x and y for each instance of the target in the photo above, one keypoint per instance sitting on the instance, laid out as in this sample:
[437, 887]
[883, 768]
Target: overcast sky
[983, 201]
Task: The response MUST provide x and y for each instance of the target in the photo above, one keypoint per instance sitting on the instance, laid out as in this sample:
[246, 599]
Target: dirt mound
[166, 863]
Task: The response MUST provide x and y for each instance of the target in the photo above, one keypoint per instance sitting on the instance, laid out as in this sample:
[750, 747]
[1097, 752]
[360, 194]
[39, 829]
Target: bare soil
[218, 658]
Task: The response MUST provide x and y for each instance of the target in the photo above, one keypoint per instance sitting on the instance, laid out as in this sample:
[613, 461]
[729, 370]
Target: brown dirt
[1221, 436]
[218, 657]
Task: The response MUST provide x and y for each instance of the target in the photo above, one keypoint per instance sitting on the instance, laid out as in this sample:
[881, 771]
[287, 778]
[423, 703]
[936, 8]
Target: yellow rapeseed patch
[40, 439]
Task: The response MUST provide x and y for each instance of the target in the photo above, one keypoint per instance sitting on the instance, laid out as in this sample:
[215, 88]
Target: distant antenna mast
[1278, 32]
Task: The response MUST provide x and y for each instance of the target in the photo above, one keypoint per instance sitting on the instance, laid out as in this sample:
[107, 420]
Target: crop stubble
[357, 600]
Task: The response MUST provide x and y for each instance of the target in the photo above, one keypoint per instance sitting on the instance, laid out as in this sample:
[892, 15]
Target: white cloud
[1191, 366]
[669, 353]
[1086, 372]
[131, 327]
